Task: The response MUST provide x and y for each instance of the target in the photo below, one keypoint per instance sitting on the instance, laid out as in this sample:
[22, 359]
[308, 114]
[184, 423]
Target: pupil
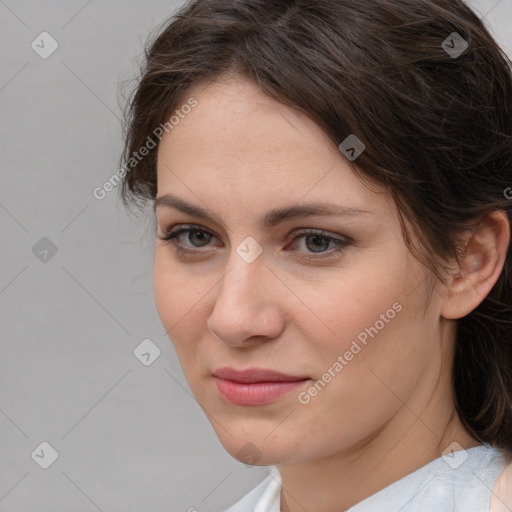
[202, 237]
[317, 238]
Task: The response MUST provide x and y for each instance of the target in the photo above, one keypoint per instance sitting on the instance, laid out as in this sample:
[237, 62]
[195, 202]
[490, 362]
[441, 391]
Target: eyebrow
[272, 217]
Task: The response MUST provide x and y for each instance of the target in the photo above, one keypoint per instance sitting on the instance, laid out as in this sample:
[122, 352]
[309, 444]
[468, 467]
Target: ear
[482, 263]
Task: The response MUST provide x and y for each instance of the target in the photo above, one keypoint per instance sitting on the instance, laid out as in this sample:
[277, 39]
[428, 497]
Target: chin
[255, 450]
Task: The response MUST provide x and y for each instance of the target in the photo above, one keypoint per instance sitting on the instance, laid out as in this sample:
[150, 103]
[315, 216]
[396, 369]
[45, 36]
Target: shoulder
[501, 498]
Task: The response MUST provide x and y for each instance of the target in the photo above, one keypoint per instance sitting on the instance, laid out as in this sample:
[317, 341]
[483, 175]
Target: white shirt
[461, 482]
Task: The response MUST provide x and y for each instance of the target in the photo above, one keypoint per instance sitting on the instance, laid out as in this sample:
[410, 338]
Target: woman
[332, 260]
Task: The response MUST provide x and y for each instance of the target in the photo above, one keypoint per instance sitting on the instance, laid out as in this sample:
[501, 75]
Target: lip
[255, 386]
[252, 375]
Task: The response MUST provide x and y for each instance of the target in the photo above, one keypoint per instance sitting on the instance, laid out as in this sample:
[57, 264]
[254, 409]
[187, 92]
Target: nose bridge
[243, 305]
[242, 284]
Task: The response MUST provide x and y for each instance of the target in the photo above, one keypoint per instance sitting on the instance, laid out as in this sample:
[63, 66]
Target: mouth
[255, 386]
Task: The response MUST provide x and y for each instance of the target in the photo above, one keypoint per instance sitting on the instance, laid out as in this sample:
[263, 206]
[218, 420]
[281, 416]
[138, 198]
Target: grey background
[129, 437]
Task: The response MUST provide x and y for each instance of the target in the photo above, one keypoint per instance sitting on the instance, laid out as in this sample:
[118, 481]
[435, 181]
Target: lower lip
[257, 393]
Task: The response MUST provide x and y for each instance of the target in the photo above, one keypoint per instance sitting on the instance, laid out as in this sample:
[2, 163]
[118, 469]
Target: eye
[195, 236]
[318, 242]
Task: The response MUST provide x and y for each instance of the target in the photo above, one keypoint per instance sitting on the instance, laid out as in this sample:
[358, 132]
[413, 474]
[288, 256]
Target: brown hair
[437, 129]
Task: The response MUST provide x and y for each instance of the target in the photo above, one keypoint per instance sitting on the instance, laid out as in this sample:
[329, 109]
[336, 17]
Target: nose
[247, 308]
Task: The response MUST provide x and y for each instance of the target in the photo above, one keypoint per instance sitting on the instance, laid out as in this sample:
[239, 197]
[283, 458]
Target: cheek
[364, 328]
[348, 306]
[181, 301]
[166, 287]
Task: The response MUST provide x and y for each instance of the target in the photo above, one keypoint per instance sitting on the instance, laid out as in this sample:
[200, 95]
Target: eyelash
[169, 237]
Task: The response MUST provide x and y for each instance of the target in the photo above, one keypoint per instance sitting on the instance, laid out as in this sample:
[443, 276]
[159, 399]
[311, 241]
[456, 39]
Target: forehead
[233, 117]
[239, 143]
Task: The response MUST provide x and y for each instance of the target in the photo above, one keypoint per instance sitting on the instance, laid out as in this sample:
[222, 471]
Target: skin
[390, 410]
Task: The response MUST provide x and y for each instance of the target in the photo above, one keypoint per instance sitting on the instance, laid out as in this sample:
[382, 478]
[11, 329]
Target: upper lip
[255, 375]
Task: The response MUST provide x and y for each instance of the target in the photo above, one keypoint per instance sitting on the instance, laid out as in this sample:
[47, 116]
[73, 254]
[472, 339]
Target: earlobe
[481, 265]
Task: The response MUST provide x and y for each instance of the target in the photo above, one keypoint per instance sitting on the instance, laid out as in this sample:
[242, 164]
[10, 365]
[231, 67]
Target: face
[281, 259]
